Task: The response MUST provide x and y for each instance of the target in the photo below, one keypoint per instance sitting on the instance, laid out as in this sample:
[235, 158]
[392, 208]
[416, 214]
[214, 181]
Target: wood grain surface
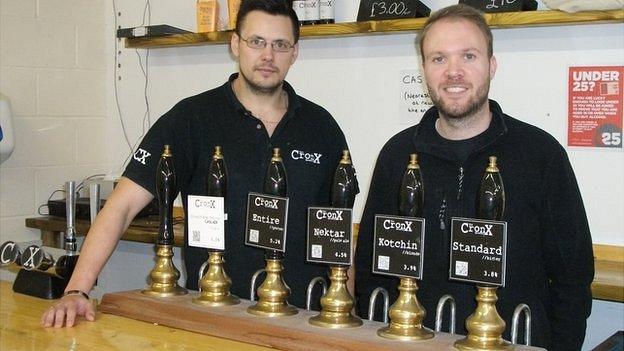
[20, 331]
[495, 20]
[285, 333]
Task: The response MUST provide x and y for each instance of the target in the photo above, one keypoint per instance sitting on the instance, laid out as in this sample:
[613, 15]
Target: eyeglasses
[259, 44]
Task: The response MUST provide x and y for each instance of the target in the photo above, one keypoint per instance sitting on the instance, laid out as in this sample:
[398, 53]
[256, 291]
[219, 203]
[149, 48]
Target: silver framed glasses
[258, 43]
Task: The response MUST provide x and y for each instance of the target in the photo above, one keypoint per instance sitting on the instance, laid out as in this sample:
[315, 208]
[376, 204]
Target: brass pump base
[273, 293]
[164, 276]
[336, 303]
[215, 284]
[484, 325]
[406, 315]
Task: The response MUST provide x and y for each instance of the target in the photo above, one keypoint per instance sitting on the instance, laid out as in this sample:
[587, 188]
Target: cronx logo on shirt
[140, 155]
[313, 157]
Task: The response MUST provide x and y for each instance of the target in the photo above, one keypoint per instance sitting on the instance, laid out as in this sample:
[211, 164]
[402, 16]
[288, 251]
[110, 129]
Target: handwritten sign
[206, 221]
[371, 10]
[478, 251]
[413, 98]
[329, 235]
[501, 5]
[399, 246]
[266, 221]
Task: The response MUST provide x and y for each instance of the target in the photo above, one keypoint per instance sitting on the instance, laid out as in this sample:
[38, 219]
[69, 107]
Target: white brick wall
[53, 68]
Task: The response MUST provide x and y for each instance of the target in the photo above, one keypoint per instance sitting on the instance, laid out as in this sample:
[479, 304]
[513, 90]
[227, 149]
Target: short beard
[474, 105]
[257, 89]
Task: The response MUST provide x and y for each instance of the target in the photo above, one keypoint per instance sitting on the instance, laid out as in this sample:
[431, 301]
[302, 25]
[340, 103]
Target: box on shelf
[233, 6]
[207, 15]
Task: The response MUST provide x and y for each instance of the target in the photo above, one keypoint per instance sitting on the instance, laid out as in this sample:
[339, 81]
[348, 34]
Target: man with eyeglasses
[255, 111]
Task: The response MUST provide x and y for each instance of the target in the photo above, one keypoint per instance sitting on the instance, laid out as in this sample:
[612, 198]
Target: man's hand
[65, 311]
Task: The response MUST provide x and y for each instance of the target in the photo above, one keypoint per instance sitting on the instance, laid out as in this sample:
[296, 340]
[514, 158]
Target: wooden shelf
[495, 20]
[609, 279]
[142, 230]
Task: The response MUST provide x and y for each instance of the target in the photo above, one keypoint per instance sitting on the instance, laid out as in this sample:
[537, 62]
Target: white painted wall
[57, 64]
[53, 69]
[357, 79]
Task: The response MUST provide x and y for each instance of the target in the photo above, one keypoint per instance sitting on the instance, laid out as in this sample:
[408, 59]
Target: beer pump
[215, 283]
[406, 314]
[273, 292]
[337, 303]
[485, 326]
[41, 275]
[164, 276]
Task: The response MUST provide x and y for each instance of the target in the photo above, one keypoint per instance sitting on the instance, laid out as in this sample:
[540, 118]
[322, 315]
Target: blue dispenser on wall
[7, 141]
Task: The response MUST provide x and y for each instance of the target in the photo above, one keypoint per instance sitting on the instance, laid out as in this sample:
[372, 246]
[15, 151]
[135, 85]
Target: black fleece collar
[425, 136]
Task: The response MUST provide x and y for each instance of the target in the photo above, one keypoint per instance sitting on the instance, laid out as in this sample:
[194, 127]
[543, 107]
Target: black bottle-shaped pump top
[275, 179]
[491, 196]
[216, 180]
[343, 189]
[411, 193]
[166, 190]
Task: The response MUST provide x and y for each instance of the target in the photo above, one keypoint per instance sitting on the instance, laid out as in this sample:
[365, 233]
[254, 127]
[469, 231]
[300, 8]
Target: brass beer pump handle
[407, 314]
[164, 276]
[485, 326]
[337, 303]
[214, 283]
[273, 293]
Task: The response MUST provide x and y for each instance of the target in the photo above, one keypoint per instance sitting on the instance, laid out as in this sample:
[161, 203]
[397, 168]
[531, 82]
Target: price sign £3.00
[391, 9]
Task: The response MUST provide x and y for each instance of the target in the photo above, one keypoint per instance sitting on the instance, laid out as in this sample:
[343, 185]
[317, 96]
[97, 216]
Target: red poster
[595, 109]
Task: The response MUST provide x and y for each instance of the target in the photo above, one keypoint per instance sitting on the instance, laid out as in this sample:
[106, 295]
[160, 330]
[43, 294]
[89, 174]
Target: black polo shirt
[311, 144]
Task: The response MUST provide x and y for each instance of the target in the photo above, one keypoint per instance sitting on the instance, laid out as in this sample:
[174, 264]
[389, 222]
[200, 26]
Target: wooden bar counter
[290, 333]
[20, 330]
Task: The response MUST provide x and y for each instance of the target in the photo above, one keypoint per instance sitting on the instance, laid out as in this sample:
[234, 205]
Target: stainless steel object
[440, 309]
[94, 201]
[314, 282]
[202, 271]
[71, 246]
[254, 278]
[526, 310]
[373, 300]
